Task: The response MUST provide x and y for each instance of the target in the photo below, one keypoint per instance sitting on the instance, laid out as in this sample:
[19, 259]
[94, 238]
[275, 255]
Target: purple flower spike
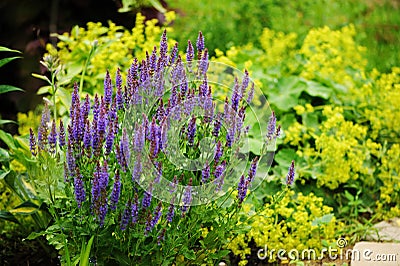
[155, 218]
[108, 91]
[103, 212]
[163, 46]
[272, 131]
[203, 63]
[245, 81]
[200, 42]
[126, 216]
[217, 125]
[189, 55]
[119, 96]
[147, 199]
[242, 189]
[70, 159]
[43, 128]
[191, 130]
[32, 142]
[219, 175]
[135, 209]
[87, 136]
[250, 95]
[53, 138]
[124, 145]
[187, 197]
[75, 99]
[61, 135]
[115, 192]
[205, 173]
[236, 96]
[218, 152]
[174, 54]
[137, 169]
[290, 175]
[110, 139]
[80, 194]
[139, 138]
[171, 210]
[253, 169]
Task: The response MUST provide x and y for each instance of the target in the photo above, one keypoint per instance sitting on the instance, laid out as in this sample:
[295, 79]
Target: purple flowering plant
[154, 162]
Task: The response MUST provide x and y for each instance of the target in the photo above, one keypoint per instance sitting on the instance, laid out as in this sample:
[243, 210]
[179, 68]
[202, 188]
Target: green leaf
[7, 139]
[43, 90]
[7, 60]
[5, 49]
[286, 93]
[84, 260]
[2, 122]
[318, 90]
[5, 215]
[26, 208]
[285, 156]
[42, 77]
[327, 218]
[3, 174]
[8, 88]
[35, 235]
[4, 155]
[189, 254]
[220, 254]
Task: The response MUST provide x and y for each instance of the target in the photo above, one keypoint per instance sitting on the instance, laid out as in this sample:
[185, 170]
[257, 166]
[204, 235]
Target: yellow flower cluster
[333, 55]
[26, 121]
[287, 225]
[112, 47]
[277, 46]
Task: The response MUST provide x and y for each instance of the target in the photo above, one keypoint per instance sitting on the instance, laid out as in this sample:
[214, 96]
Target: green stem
[92, 49]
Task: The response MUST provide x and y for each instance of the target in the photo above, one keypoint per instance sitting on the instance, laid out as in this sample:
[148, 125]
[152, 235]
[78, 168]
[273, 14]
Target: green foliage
[375, 21]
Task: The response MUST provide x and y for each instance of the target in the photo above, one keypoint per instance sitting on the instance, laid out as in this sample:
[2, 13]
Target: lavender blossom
[124, 145]
[161, 236]
[187, 197]
[290, 175]
[271, 127]
[70, 159]
[242, 189]
[109, 139]
[108, 90]
[205, 173]
[87, 137]
[200, 42]
[153, 60]
[61, 135]
[135, 209]
[189, 55]
[32, 142]
[103, 212]
[96, 108]
[219, 175]
[250, 95]
[253, 168]
[236, 96]
[173, 185]
[217, 125]
[171, 210]
[203, 63]
[120, 158]
[125, 216]
[245, 81]
[157, 172]
[174, 54]
[53, 138]
[115, 192]
[218, 152]
[75, 99]
[79, 189]
[191, 130]
[43, 128]
[139, 138]
[163, 48]
[155, 217]
[147, 198]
